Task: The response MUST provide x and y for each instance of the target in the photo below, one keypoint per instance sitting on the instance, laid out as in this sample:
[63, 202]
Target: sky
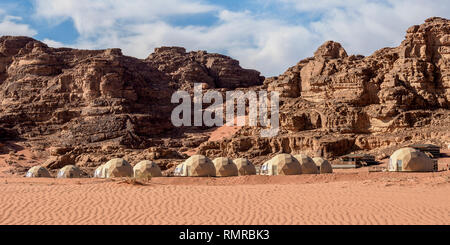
[267, 35]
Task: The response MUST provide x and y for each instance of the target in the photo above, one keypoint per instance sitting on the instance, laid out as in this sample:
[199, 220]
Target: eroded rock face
[95, 105]
[65, 97]
[333, 103]
[253, 147]
[79, 97]
[93, 96]
[359, 94]
[214, 70]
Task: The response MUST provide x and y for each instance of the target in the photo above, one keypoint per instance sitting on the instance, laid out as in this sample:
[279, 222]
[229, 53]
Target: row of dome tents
[199, 166]
[70, 171]
[403, 160]
[286, 164]
[195, 166]
[118, 167]
[283, 164]
[113, 169]
[202, 166]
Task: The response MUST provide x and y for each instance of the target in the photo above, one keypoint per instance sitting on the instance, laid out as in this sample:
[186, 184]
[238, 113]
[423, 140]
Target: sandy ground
[347, 197]
[343, 198]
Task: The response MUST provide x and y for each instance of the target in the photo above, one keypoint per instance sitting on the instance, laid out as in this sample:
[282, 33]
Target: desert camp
[245, 167]
[403, 160]
[356, 161]
[225, 167]
[115, 168]
[38, 172]
[70, 171]
[308, 165]
[323, 165]
[411, 160]
[282, 164]
[99, 172]
[147, 169]
[196, 166]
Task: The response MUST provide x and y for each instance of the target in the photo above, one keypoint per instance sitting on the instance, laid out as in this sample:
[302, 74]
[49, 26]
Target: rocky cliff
[82, 98]
[74, 97]
[374, 92]
[83, 107]
[335, 103]
[213, 70]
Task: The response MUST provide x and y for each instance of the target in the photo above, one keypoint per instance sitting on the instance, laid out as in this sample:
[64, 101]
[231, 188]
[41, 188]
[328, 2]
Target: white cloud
[138, 27]
[91, 16]
[53, 43]
[321, 5]
[11, 26]
[364, 26]
[269, 45]
[266, 42]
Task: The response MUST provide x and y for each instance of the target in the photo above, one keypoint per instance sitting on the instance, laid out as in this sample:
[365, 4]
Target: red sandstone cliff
[93, 105]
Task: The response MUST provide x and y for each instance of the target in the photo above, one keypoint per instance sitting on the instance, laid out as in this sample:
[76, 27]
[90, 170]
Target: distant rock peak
[179, 50]
[214, 70]
[436, 19]
[331, 50]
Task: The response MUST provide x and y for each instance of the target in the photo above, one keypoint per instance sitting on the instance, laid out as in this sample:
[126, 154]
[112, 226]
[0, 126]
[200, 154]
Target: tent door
[187, 171]
[275, 170]
[399, 165]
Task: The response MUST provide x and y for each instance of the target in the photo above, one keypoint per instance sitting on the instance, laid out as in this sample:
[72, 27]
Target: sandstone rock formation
[77, 97]
[333, 103]
[91, 106]
[215, 70]
[369, 94]
[65, 97]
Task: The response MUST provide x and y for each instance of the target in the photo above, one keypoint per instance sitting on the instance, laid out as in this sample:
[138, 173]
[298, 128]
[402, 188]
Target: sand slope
[342, 198]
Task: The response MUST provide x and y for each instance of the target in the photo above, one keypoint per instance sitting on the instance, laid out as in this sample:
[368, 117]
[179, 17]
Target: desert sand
[348, 197]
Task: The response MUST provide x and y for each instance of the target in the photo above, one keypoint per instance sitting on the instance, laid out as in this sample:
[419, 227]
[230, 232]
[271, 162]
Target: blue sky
[267, 35]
